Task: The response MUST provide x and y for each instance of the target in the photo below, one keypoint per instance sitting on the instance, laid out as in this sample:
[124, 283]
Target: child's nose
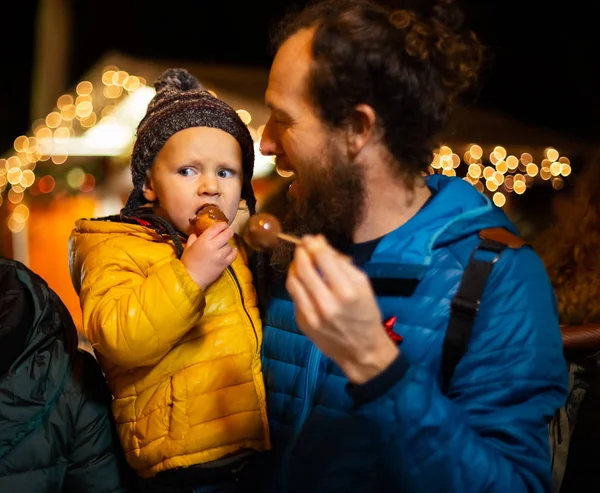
[209, 185]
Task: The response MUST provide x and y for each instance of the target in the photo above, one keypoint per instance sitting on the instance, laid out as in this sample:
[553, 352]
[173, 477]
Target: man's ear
[148, 188]
[361, 127]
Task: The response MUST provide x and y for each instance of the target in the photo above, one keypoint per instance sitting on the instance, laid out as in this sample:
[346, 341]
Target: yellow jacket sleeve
[131, 317]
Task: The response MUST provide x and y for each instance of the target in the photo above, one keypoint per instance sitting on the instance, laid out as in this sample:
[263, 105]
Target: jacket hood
[455, 211]
[38, 333]
[89, 233]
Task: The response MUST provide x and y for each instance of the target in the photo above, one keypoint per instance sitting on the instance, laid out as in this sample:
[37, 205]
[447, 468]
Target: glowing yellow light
[558, 183]
[21, 143]
[447, 162]
[474, 171]
[500, 152]
[499, 199]
[213, 94]
[545, 174]
[552, 154]
[491, 185]
[112, 92]
[564, 160]
[21, 213]
[498, 178]
[565, 169]
[502, 166]
[83, 99]
[476, 151]
[512, 162]
[53, 119]
[245, 116]
[488, 172]
[519, 177]
[532, 169]
[519, 187]
[455, 160]
[479, 187]
[449, 172]
[64, 100]
[107, 77]
[131, 83]
[88, 122]
[62, 135]
[15, 196]
[59, 159]
[14, 226]
[68, 112]
[14, 176]
[437, 161]
[44, 134]
[84, 109]
[555, 168]
[84, 88]
[27, 178]
[445, 151]
[119, 77]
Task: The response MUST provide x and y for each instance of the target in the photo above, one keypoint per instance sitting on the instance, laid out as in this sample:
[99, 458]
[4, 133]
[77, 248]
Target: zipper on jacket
[239, 287]
[311, 383]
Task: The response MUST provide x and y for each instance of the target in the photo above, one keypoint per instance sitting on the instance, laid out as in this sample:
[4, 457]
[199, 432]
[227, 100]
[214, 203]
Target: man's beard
[331, 203]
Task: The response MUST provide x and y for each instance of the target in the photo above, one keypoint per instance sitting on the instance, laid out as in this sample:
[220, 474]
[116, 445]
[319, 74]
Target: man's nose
[269, 143]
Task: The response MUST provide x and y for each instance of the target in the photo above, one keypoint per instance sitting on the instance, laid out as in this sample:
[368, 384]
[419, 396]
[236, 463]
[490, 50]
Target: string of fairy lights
[25, 172]
[504, 173]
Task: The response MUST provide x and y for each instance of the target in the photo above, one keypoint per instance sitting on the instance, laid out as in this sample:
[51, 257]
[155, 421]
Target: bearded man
[432, 361]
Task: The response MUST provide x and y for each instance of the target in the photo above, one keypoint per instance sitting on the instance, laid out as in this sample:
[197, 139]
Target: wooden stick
[290, 238]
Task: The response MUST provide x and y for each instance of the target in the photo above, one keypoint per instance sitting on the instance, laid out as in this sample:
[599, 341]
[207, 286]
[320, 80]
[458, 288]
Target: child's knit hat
[180, 102]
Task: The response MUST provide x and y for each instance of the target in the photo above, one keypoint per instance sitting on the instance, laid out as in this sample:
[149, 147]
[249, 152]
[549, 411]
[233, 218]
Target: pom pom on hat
[177, 78]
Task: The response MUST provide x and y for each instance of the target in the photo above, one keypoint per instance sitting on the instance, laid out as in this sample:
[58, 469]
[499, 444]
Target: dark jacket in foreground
[56, 430]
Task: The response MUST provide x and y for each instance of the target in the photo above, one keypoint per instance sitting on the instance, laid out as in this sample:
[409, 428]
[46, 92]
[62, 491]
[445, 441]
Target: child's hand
[206, 256]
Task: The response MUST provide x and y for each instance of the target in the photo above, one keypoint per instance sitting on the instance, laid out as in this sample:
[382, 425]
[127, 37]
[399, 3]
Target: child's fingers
[215, 230]
[191, 240]
[231, 256]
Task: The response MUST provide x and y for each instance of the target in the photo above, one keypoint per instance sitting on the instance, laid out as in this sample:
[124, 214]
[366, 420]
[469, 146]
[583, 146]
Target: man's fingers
[304, 307]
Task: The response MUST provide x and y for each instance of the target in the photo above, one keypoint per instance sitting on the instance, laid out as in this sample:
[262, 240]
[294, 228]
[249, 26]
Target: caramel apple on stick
[206, 216]
[263, 232]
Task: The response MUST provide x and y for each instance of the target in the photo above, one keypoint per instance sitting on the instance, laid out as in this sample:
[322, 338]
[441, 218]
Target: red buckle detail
[389, 328]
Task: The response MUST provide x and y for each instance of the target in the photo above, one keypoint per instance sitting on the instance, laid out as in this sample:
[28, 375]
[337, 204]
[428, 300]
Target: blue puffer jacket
[489, 431]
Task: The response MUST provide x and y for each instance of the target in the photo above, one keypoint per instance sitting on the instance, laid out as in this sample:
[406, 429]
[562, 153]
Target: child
[172, 316]
[56, 430]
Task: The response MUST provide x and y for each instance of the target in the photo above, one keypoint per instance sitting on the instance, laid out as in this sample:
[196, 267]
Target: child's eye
[225, 173]
[185, 171]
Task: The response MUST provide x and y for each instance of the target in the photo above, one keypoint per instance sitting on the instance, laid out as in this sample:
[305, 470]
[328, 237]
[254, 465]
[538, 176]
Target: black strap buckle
[464, 306]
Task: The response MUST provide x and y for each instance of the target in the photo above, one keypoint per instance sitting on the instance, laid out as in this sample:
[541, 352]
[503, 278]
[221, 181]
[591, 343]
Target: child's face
[196, 166]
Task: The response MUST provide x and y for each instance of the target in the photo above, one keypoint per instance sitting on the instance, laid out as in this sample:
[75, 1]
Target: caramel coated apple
[208, 215]
[262, 232]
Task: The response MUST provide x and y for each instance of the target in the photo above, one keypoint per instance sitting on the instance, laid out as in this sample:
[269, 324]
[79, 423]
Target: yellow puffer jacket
[183, 364]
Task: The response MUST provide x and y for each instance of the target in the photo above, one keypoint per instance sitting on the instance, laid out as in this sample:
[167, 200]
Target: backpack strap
[465, 303]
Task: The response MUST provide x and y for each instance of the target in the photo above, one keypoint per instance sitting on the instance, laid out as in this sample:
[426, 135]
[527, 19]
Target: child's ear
[148, 188]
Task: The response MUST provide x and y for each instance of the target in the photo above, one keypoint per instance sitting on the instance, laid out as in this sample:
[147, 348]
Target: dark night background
[542, 68]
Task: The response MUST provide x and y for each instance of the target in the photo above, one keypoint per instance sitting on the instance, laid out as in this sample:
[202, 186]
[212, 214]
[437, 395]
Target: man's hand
[206, 256]
[336, 308]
